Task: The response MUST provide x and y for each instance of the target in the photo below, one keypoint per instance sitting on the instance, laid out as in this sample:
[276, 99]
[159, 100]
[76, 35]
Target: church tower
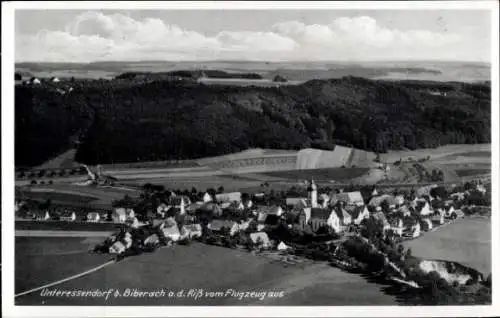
[313, 194]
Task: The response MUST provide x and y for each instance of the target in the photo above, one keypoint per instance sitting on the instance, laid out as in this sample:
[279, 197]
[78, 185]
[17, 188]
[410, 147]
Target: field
[79, 195]
[39, 261]
[319, 174]
[184, 267]
[466, 241]
[64, 226]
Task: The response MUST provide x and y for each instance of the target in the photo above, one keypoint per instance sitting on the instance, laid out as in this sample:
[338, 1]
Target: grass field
[196, 266]
[319, 174]
[471, 172]
[466, 241]
[64, 226]
[39, 261]
[68, 193]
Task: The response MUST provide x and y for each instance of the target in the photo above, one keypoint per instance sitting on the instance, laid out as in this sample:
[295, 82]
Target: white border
[8, 308]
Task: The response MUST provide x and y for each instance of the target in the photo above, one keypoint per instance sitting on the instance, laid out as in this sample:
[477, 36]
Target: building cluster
[334, 212]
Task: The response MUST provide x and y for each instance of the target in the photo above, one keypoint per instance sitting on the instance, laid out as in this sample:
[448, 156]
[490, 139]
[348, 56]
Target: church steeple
[312, 191]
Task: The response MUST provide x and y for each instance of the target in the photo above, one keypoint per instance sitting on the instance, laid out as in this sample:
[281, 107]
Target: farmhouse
[260, 239]
[381, 217]
[162, 210]
[350, 198]
[397, 226]
[207, 197]
[192, 230]
[68, 216]
[219, 226]
[210, 208]
[422, 207]
[171, 232]
[404, 210]
[120, 215]
[42, 215]
[228, 197]
[296, 202]
[378, 200]
[339, 219]
[359, 213]
[272, 210]
[93, 217]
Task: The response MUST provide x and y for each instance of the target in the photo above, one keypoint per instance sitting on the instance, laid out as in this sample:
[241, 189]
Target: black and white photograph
[213, 155]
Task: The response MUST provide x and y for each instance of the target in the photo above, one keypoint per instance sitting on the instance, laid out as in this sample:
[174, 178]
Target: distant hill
[164, 120]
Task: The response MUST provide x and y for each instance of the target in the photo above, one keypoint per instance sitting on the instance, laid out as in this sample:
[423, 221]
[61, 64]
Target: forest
[164, 120]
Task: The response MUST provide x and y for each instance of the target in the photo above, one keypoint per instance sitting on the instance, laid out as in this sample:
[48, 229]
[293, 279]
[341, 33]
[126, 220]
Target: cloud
[94, 36]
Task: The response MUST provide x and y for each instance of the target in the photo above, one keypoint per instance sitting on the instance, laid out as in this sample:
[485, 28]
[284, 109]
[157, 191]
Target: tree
[220, 189]
[385, 207]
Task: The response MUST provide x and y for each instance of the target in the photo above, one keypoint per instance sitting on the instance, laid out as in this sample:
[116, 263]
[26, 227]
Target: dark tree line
[164, 120]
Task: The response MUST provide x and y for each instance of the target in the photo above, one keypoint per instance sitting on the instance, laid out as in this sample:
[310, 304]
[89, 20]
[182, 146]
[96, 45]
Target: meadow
[467, 241]
[200, 266]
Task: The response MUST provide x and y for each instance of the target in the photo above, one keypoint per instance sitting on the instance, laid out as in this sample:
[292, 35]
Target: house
[426, 224]
[218, 226]
[120, 215]
[228, 197]
[68, 216]
[245, 224]
[458, 196]
[423, 207]
[350, 198]
[405, 210]
[35, 81]
[449, 210]
[425, 190]
[272, 210]
[339, 219]
[162, 209]
[374, 192]
[481, 188]
[212, 208]
[171, 232]
[93, 217]
[133, 222]
[42, 215]
[378, 200]
[399, 200]
[359, 213]
[191, 231]
[415, 230]
[397, 226]
[282, 246]
[239, 206]
[121, 245]
[260, 239]
[296, 202]
[207, 197]
[379, 215]
[247, 204]
[55, 80]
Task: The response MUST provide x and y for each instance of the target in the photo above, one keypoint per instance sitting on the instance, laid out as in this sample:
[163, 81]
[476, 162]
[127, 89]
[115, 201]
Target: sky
[262, 35]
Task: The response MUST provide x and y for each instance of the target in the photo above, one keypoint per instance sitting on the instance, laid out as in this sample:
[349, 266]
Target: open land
[184, 267]
[467, 241]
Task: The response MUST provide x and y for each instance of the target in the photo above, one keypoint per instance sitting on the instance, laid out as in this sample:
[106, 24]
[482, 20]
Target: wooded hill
[167, 120]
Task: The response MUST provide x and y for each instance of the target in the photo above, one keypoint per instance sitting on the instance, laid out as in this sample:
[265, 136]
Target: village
[352, 229]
